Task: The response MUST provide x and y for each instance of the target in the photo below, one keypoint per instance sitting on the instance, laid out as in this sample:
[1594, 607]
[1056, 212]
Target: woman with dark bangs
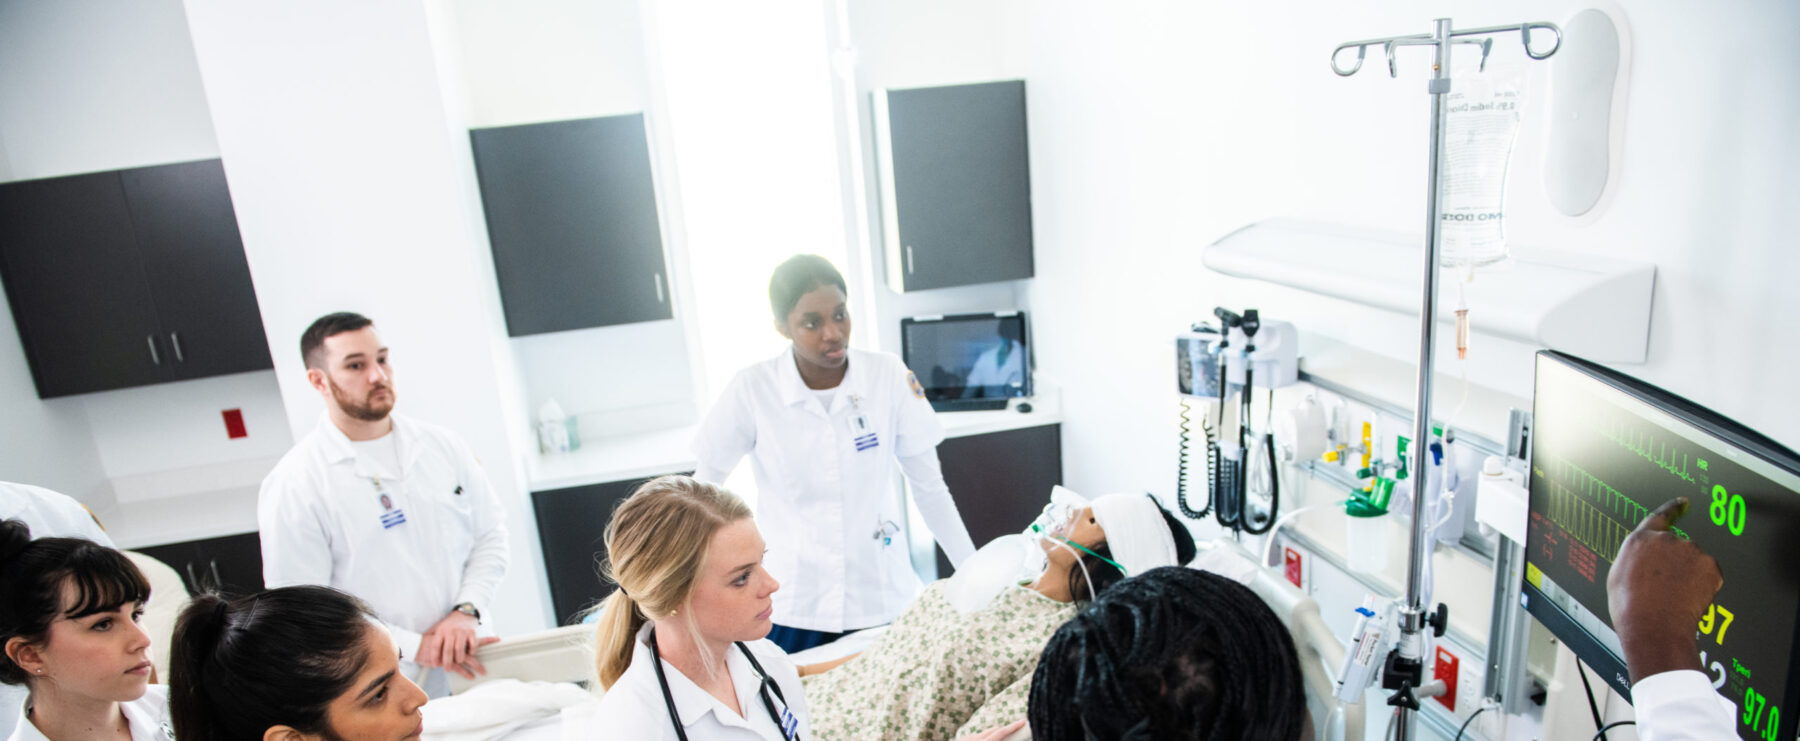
[69, 612]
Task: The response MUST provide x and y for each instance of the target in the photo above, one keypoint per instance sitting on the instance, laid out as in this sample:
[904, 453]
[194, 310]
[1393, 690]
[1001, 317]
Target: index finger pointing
[1665, 516]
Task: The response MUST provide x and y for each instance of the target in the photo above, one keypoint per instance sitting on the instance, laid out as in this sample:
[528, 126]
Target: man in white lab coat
[49, 515]
[393, 510]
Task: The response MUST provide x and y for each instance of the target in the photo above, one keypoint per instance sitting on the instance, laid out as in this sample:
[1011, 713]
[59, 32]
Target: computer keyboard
[968, 405]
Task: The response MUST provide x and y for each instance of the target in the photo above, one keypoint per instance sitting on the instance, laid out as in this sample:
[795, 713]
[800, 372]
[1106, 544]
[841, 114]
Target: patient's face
[1081, 528]
[731, 599]
[382, 704]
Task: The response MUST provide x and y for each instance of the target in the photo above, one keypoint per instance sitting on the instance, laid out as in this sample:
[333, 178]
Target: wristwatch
[468, 608]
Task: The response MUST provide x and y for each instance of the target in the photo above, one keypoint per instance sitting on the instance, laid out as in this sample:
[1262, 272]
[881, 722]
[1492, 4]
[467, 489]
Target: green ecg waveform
[1646, 446]
[1593, 512]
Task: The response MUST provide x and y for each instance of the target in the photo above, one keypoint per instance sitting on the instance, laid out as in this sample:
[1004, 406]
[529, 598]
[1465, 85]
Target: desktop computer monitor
[968, 362]
[1606, 449]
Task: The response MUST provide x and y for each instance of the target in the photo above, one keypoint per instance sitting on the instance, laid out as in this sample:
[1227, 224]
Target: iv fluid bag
[1480, 123]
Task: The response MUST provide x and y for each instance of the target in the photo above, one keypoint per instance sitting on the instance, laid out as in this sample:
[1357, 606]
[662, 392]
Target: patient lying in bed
[940, 672]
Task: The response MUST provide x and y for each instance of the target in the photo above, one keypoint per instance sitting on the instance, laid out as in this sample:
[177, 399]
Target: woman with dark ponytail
[288, 664]
[1174, 653]
[69, 612]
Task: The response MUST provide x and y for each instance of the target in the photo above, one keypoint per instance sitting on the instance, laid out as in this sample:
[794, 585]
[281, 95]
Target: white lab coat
[1682, 706]
[824, 490]
[147, 717]
[443, 542]
[634, 708]
[49, 515]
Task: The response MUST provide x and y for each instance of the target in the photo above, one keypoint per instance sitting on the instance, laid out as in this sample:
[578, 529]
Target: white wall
[1158, 127]
[354, 190]
[181, 425]
[46, 442]
[940, 42]
[91, 85]
[550, 60]
[86, 86]
[743, 95]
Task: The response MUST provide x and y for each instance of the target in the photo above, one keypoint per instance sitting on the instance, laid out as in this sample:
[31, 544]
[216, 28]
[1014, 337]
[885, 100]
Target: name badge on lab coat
[862, 433]
[391, 516]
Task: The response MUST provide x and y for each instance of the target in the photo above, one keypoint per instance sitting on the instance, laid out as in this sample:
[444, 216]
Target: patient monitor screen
[1607, 450]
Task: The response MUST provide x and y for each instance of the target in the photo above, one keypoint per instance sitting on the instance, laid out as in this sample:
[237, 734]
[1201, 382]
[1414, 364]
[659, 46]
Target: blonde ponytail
[655, 546]
[615, 636]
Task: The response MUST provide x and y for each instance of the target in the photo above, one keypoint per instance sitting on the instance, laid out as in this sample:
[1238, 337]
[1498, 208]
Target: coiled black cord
[1181, 474]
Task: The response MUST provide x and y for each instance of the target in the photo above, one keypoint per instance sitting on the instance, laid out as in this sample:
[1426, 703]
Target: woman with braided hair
[1174, 653]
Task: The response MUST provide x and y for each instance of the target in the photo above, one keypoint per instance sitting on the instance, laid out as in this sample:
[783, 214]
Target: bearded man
[390, 509]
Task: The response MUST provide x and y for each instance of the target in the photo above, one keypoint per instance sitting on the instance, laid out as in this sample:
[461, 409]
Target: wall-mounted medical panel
[955, 184]
[572, 220]
[129, 278]
[1594, 306]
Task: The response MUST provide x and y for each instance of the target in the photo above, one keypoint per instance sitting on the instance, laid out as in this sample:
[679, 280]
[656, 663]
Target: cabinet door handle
[217, 582]
[175, 342]
[194, 585]
[656, 278]
[150, 340]
[909, 260]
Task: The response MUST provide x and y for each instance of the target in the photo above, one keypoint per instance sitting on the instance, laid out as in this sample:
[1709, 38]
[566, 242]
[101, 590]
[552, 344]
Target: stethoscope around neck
[762, 691]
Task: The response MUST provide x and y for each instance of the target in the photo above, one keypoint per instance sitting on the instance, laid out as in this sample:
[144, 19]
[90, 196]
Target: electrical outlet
[1448, 669]
[1294, 567]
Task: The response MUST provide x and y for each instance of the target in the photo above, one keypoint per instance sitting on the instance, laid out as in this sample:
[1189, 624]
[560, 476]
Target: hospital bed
[563, 654]
[564, 657]
[538, 687]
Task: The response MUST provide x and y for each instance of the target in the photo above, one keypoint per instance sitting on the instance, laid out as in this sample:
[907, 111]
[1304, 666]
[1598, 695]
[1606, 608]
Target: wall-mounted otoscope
[1212, 363]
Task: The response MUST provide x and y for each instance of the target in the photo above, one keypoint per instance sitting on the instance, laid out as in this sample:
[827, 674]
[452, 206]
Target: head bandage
[1136, 532]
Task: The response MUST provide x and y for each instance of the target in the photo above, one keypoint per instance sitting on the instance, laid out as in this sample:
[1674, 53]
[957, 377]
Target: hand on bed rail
[452, 644]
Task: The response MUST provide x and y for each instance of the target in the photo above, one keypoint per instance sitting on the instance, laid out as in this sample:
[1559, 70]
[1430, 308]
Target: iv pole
[1405, 666]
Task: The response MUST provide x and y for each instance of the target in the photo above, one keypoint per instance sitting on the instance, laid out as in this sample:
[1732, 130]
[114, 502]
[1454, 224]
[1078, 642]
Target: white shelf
[1593, 306]
[644, 454]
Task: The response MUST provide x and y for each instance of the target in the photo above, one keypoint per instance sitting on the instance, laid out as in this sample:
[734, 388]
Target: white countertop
[645, 454]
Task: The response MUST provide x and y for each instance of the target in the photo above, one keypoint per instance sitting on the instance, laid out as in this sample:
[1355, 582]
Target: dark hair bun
[15, 536]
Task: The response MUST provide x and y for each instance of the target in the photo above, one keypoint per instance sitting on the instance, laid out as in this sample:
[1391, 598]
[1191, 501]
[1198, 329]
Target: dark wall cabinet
[957, 180]
[571, 526]
[1001, 480]
[230, 565]
[571, 216]
[129, 278]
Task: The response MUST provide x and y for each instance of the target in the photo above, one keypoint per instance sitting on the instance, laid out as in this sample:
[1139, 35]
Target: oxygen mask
[1055, 518]
[1053, 521]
